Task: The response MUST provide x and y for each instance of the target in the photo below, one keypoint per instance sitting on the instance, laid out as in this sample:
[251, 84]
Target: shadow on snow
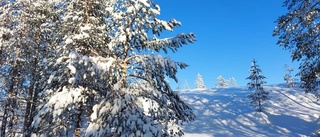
[227, 112]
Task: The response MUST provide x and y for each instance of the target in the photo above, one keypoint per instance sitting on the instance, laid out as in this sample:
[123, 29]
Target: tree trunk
[4, 121]
[260, 106]
[77, 130]
[10, 106]
[31, 95]
[33, 108]
[27, 114]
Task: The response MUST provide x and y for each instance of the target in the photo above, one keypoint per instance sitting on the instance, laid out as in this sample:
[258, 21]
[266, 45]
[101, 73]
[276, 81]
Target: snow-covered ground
[289, 112]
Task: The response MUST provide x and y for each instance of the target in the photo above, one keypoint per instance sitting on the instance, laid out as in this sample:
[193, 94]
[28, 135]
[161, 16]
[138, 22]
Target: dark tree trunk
[31, 94]
[33, 107]
[4, 121]
[10, 103]
[78, 121]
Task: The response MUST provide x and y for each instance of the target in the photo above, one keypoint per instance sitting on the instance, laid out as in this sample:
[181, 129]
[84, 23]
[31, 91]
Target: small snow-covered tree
[186, 85]
[107, 76]
[288, 77]
[258, 95]
[199, 82]
[232, 82]
[221, 82]
[178, 87]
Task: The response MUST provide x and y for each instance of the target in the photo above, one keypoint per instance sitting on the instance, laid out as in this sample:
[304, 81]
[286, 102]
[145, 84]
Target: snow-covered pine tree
[288, 77]
[108, 77]
[298, 32]
[79, 75]
[199, 82]
[256, 81]
[232, 82]
[221, 82]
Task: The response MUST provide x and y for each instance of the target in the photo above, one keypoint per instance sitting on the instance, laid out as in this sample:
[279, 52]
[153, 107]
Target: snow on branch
[157, 66]
[172, 43]
[58, 105]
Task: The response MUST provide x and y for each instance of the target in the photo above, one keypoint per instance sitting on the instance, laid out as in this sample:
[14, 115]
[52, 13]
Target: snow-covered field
[289, 112]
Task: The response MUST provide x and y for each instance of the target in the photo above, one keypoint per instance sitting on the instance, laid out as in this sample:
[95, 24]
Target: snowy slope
[226, 112]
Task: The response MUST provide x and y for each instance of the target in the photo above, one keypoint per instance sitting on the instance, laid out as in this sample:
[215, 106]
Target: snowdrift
[289, 112]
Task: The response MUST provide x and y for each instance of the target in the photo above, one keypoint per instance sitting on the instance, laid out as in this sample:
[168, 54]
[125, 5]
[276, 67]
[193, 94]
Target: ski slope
[226, 112]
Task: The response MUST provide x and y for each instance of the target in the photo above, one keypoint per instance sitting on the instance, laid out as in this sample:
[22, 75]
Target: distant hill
[226, 112]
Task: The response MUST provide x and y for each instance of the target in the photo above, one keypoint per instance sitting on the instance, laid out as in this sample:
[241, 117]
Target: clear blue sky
[230, 34]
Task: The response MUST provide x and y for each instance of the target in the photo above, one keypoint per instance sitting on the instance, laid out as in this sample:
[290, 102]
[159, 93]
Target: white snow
[82, 35]
[59, 102]
[101, 63]
[73, 69]
[68, 41]
[50, 79]
[130, 9]
[85, 28]
[155, 11]
[226, 112]
[145, 2]
[122, 38]
[166, 25]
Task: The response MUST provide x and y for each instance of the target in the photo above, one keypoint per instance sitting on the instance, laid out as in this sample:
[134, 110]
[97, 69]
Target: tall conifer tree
[256, 85]
[107, 64]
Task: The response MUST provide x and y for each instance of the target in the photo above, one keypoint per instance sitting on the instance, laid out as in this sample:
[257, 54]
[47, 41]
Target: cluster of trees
[88, 67]
[223, 83]
[220, 83]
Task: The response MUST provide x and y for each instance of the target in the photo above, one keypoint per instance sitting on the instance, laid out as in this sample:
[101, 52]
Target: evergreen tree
[199, 82]
[298, 32]
[288, 77]
[186, 85]
[178, 87]
[232, 82]
[255, 84]
[106, 66]
[221, 82]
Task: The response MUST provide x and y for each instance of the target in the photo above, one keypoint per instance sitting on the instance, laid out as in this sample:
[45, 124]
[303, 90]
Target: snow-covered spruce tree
[199, 82]
[107, 66]
[256, 81]
[232, 82]
[288, 77]
[298, 32]
[221, 82]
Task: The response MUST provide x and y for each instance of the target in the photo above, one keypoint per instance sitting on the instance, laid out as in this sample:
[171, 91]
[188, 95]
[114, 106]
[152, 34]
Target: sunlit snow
[226, 112]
